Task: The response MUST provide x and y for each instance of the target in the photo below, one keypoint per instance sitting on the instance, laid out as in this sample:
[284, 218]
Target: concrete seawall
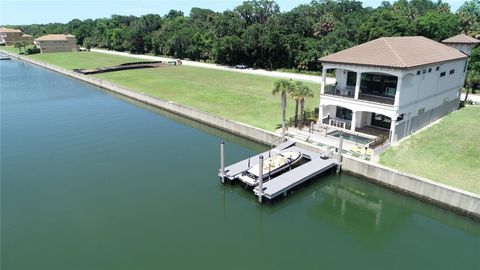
[457, 200]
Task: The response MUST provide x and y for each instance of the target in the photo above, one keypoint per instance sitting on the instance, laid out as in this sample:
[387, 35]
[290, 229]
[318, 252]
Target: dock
[312, 166]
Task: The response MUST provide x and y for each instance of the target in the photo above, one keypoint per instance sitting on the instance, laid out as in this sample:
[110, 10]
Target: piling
[340, 150]
[222, 163]
[260, 179]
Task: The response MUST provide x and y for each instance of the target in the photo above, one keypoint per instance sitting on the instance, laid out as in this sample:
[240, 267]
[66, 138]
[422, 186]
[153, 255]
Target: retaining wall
[460, 201]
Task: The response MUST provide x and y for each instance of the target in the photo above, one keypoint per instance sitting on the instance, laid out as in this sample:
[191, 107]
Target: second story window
[438, 68]
[443, 74]
[452, 71]
[465, 66]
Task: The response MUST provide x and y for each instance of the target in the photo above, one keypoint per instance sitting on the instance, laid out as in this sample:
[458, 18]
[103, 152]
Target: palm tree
[302, 92]
[283, 87]
[294, 96]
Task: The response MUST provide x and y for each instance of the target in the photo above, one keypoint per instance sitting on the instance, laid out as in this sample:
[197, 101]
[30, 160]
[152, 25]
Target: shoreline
[450, 198]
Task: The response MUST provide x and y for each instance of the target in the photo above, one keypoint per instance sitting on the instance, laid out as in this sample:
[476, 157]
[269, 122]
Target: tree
[283, 87]
[303, 92]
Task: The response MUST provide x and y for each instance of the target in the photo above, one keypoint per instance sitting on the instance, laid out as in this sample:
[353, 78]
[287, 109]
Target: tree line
[258, 34]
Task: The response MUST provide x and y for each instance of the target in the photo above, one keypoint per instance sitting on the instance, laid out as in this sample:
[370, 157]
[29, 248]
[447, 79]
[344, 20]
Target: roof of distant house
[396, 52]
[54, 37]
[461, 39]
[9, 30]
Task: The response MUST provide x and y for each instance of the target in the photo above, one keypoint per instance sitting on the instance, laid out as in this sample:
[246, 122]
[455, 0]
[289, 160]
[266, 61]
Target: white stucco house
[394, 85]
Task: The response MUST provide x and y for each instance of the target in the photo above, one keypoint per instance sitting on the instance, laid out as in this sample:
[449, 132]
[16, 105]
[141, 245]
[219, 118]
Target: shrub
[33, 50]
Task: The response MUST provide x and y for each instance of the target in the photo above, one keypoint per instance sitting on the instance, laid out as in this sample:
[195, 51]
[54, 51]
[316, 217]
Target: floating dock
[313, 164]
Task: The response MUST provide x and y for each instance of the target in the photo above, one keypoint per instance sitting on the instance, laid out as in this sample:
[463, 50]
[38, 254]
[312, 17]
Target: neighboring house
[394, 85]
[10, 36]
[56, 43]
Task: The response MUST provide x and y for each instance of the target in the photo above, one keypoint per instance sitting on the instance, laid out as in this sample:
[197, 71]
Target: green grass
[236, 96]
[241, 97]
[71, 60]
[447, 152]
[12, 49]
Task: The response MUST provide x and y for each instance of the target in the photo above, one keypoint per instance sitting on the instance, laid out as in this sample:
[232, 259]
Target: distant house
[394, 85]
[10, 36]
[56, 43]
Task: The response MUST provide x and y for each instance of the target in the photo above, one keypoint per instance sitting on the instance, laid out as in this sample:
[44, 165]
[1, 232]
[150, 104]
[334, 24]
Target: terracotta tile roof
[461, 39]
[396, 52]
[54, 37]
[9, 30]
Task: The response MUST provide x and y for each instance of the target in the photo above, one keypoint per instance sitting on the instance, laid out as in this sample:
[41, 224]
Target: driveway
[262, 72]
[472, 97]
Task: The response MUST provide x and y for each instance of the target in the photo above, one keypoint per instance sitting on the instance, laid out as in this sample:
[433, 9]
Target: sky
[16, 12]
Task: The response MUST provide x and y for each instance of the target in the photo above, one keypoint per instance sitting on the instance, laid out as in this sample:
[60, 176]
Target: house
[56, 43]
[10, 36]
[393, 86]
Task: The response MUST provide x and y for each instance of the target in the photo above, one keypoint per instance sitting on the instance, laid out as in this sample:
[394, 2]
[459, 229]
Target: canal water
[90, 180]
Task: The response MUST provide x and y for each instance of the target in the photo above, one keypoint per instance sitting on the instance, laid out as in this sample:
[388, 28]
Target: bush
[33, 50]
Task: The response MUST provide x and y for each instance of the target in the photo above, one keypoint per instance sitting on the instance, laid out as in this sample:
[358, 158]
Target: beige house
[10, 36]
[56, 43]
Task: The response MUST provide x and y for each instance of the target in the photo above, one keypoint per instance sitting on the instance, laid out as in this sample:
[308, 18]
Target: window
[418, 72]
[351, 78]
[422, 110]
[437, 69]
[465, 66]
[429, 70]
[400, 117]
[424, 71]
[452, 71]
[442, 74]
[344, 113]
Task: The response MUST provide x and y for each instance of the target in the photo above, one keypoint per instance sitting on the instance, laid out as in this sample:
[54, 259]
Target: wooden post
[222, 164]
[340, 150]
[260, 179]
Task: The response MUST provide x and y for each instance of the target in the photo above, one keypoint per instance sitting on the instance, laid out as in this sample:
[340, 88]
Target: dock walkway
[288, 180]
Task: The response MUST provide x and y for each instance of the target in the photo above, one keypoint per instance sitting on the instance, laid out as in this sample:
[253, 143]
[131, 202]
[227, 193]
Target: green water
[90, 180]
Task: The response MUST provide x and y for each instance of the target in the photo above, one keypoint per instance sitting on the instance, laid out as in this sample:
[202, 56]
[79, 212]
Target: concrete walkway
[472, 97]
[262, 72]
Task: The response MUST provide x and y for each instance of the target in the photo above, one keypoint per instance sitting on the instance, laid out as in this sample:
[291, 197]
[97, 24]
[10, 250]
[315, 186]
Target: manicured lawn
[12, 49]
[241, 97]
[71, 60]
[448, 152]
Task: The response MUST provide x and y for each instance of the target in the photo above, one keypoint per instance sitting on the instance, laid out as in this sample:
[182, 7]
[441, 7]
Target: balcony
[348, 92]
[377, 98]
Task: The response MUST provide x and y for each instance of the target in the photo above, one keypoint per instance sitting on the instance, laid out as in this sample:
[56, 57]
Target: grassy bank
[448, 152]
[241, 97]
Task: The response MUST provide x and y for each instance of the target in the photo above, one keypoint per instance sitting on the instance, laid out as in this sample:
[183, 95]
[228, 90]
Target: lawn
[447, 152]
[12, 49]
[241, 97]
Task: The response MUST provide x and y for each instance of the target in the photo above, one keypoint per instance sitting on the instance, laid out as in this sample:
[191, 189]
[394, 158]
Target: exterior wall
[52, 46]
[11, 38]
[421, 98]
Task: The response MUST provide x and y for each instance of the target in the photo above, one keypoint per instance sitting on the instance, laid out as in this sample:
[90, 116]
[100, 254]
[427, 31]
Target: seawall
[451, 198]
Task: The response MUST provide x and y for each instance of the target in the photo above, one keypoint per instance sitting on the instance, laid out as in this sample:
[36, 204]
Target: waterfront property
[56, 43]
[9, 36]
[123, 194]
[447, 152]
[240, 97]
[393, 86]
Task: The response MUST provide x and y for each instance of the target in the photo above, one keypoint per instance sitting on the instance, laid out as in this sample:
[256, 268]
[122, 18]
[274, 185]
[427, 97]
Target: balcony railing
[377, 98]
[336, 91]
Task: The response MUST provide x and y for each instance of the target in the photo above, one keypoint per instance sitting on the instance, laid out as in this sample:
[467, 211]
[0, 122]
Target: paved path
[474, 98]
[276, 74]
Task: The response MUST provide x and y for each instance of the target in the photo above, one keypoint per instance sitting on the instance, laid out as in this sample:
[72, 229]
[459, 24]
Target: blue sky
[41, 11]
